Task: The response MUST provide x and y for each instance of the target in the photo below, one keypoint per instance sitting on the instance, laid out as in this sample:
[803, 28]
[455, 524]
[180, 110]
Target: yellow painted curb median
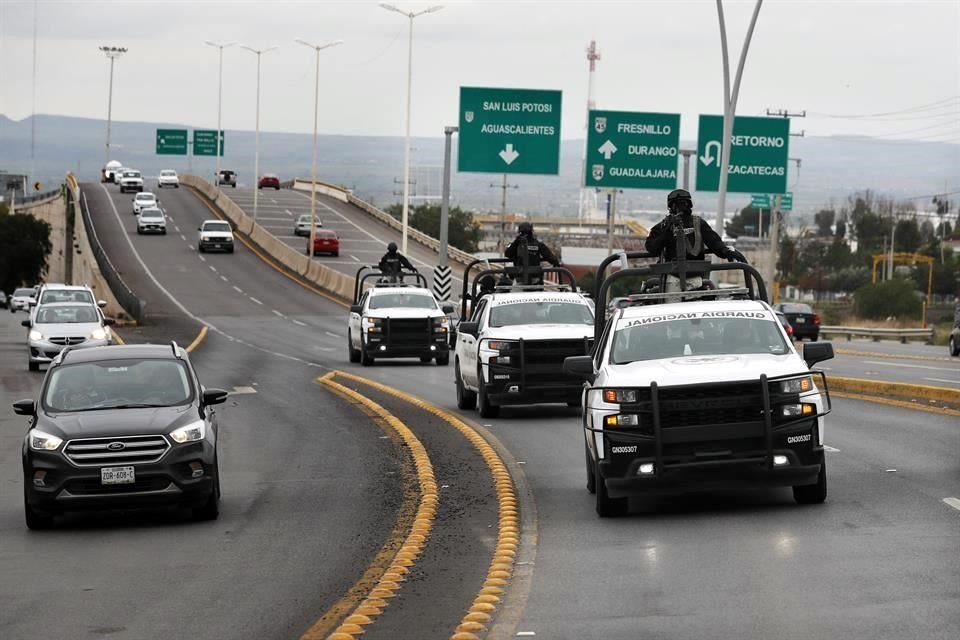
[501, 566]
[899, 390]
[196, 341]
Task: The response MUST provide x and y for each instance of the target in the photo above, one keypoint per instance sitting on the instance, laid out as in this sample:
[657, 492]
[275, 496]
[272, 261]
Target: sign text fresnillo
[509, 131]
[759, 149]
[632, 150]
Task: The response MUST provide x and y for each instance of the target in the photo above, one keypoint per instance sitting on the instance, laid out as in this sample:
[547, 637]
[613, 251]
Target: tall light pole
[221, 47]
[406, 145]
[113, 53]
[256, 154]
[317, 48]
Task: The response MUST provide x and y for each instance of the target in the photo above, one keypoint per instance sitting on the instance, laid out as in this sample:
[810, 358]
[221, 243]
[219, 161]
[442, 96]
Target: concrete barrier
[53, 211]
[323, 277]
[338, 193]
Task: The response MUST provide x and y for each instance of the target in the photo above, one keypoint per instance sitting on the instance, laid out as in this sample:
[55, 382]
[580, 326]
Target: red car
[269, 180]
[325, 242]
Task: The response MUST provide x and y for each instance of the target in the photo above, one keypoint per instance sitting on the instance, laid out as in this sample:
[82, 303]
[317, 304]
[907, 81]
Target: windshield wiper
[123, 406]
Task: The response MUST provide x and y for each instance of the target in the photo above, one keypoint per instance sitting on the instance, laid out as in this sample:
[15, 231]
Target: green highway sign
[758, 154]
[786, 202]
[761, 201]
[764, 201]
[632, 150]
[509, 131]
[205, 142]
[172, 142]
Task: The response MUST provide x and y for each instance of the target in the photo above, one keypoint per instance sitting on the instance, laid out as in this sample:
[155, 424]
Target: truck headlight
[622, 420]
[797, 385]
[99, 334]
[35, 335]
[373, 325]
[193, 431]
[620, 396]
[41, 441]
[498, 346]
[798, 410]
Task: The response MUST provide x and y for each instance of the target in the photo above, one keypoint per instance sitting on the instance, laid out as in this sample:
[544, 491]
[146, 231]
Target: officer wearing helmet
[527, 243]
[392, 262]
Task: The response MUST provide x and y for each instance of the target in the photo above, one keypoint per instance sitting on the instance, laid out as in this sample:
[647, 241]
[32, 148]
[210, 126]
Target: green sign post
[760, 201]
[786, 202]
[205, 142]
[172, 142]
[758, 154]
[632, 150]
[509, 131]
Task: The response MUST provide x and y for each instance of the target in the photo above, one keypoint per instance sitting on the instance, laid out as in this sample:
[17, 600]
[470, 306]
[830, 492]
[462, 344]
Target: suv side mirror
[199, 228]
[814, 352]
[469, 328]
[214, 396]
[447, 307]
[579, 366]
[25, 323]
[356, 308]
[25, 408]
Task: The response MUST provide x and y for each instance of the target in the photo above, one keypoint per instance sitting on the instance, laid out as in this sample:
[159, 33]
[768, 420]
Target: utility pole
[501, 237]
[774, 245]
[592, 56]
[112, 53]
[686, 153]
[611, 217]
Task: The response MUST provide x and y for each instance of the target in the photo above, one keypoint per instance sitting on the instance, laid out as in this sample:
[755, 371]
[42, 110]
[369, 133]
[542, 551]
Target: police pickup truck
[511, 351]
[695, 390]
[396, 319]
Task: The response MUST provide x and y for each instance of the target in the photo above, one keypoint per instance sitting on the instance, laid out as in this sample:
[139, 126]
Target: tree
[824, 220]
[24, 248]
[907, 237]
[744, 223]
[894, 298]
[463, 232]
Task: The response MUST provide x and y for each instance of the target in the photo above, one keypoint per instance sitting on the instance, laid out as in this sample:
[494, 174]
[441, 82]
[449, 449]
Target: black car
[120, 427]
[803, 319]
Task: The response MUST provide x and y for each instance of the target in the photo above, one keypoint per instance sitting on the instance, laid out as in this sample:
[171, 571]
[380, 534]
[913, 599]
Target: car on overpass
[56, 325]
[120, 427]
[269, 181]
[302, 226]
[131, 180]
[324, 241]
[168, 178]
[22, 299]
[226, 177]
[144, 200]
[151, 220]
[109, 169]
[215, 235]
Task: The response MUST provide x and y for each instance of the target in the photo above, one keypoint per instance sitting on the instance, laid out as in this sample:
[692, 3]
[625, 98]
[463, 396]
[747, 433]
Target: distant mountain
[831, 167]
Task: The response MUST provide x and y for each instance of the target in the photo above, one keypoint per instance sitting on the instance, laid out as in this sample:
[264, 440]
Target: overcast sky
[830, 58]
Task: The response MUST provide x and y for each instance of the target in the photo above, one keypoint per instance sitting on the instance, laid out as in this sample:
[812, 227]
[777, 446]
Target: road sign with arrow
[509, 131]
[631, 150]
[758, 154]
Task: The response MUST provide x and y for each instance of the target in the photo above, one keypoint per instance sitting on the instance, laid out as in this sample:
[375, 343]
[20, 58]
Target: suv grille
[67, 340]
[96, 452]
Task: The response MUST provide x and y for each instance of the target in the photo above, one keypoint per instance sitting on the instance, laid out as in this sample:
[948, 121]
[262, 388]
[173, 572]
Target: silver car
[61, 324]
[302, 227]
[151, 220]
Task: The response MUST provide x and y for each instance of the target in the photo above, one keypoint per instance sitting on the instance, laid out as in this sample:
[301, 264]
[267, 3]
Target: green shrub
[893, 298]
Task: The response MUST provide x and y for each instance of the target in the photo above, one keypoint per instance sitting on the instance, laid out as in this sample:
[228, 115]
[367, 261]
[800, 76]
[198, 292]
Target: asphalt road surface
[914, 363]
[880, 559]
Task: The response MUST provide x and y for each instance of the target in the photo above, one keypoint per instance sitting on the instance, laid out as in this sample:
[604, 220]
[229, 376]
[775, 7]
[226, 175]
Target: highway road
[881, 558]
[914, 363]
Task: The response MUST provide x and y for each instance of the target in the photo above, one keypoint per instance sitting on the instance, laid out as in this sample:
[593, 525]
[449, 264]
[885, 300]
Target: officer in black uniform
[528, 253]
[392, 262]
[699, 235]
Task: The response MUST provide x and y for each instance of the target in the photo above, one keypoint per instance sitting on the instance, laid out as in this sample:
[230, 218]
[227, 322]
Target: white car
[697, 395]
[168, 178]
[131, 180]
[302, 226]
[215, 235]
[61, 324]
[144, 200]
[512, 349]
[22, 299]
[118, 173]
[396, 320]
[57, 292]
[151, 220]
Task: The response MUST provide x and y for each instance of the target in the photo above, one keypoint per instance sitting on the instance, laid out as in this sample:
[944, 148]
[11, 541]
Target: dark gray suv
[120, 427]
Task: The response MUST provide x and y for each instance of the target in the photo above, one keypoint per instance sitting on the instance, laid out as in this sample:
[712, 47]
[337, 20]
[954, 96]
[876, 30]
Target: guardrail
[878, 334]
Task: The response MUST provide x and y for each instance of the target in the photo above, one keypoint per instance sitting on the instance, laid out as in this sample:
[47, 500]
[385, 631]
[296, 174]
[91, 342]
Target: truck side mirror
[579, 366]
[469, 328]
[815, 352]
[356, 308]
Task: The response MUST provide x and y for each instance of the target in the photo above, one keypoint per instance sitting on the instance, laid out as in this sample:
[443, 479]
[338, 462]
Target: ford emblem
[116, 446]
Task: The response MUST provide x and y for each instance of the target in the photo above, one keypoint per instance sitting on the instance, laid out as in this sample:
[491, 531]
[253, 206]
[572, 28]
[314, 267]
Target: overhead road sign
[758, 154]
[632, 150]
[171, 142]
[760, 201]
[205, 142]
[763, 201]
[786, 201]
[509, 131]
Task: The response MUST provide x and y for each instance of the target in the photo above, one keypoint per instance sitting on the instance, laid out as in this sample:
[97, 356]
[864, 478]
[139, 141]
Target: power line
[939, 104]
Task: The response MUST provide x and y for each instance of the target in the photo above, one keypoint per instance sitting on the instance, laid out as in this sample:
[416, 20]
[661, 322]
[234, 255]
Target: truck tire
[443, 359]
[353, 353]
[484, 407]
[608, 507]
[591, 476]
[466, 399]
[813, 493]
[365, 358]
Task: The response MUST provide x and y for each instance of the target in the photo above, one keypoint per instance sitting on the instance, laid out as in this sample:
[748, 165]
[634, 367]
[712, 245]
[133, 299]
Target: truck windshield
[696, 337]
[402, 300]
[540, 313]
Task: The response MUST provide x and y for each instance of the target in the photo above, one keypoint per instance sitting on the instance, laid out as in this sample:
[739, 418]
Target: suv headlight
[797, 385]
[189, 433]
[99, 334]
[41, 441]
[35, 335]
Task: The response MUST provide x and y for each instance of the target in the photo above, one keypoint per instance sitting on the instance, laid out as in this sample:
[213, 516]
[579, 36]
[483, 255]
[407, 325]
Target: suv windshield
[116, 384]
[696, 337]
[168, 173]
[402, 300]
[216, 226]
[66, 295]
[517, 313]
[73, 313]
[151, 213]
[145, 196]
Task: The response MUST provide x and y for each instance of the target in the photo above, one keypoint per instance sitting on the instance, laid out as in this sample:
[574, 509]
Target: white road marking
[354, 257]
[177, 229]
[901, 365]
[255, 300]
[238, 391]
[202, 258]
[212, 268]
[943, 380]
[287, 211]
[237, 289]
[332, 335]
[302, 324]
[271, 199]
[184, 238]
[277, 313]
[526, 634]
[953, 502]
[190, 246]
[224, 278]
[830, 449]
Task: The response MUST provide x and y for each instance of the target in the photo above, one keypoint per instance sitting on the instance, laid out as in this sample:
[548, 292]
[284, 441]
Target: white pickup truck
[131, 180]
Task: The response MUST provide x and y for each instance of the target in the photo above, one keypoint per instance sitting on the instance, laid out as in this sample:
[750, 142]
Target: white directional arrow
[607, 149]
[707, 158]
[508, 155]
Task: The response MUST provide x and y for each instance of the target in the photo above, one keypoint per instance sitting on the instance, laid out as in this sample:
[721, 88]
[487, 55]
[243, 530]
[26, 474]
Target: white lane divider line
[224, 278]
[184, 238]
[239, 391]
[277, 313]
[287, 211]
[212, 268]
[907, 366]
[271, 199]
[332, 335]
[943, 380]
[830, 449]
[355, 258]
[237, 289]
[202, 259]
[190, 246]
[953, 502]
[302, 324]
[255, 300]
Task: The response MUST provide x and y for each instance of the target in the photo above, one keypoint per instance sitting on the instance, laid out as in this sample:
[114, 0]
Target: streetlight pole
[256, 154]
[113, 53]
[221, 47]
[406, 145]
[316, 110]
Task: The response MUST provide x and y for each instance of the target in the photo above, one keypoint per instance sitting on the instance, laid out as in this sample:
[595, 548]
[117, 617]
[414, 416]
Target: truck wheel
[465, 399]
[426, 359]
[591, 478]
[353, 353]
[813, 493]
[365, 358]
[443, 360]
[33, 366]
[484, 407]
[954, 347]
[607, 507]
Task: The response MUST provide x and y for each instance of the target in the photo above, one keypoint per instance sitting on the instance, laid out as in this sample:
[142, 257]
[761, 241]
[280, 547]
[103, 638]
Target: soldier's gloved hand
[734, 255]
